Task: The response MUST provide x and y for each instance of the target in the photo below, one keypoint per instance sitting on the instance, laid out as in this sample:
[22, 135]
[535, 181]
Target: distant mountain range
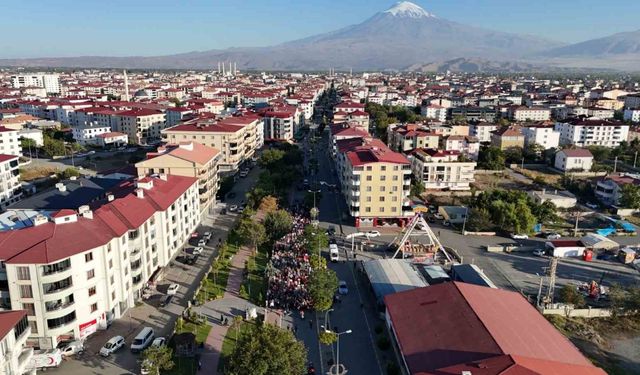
[402, 37]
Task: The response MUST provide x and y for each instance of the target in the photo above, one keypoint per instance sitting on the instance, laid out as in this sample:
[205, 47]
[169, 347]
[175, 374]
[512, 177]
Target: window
[382, 188]
[110, 263]
[383, 178]
[91, 274]
[30, 307]
[111, 280]
[368, 199]
[394, 209]
[113, 295]
[94, 307]
[395, 178]
[368, 188]
[92, 291]
[369, 167]
[394, 199]
[88, 257]
[34, 326]
[25, 291]
[23, 273]
[381, 209]
[367, 209]
[383, 168]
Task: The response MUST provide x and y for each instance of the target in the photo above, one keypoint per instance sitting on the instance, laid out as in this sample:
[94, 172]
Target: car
[207, 236]
[553, 236]
[202, 243]
[173, 289]
[538, 252]
[197, 250]
[592, 205]
[191, 259]
[373, 233]
[519, 236]
[166, 300]
[112, 346]
[244, 173]
[438, 216]
[233, 208]
[158, 342]
[342, 288]
[332, 241]
[70, 348]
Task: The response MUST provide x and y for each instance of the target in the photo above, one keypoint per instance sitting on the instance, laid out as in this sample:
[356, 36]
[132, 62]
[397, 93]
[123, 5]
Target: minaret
[218, 67]
[235, 68]
[223, 69]
[126, 87]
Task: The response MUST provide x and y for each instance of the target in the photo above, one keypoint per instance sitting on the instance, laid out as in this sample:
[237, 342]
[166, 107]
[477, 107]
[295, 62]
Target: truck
[46, 358]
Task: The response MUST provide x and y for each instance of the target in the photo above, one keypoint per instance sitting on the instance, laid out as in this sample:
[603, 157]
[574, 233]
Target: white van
[334, 255]
[142, 340]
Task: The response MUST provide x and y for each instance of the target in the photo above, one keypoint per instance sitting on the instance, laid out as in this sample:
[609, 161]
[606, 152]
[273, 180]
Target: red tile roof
[9, 319]
[444, 327]
[361, 151]
[578, 153]
[5, 157]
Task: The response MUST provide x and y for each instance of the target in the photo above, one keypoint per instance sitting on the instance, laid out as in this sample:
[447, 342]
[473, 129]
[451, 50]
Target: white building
[592, 132]
[10, 191]
[35, 135]
[609, 188]
[574, 160]
[14, 330]
[441, 170]
[523, 113]
[83, 269]
[279, 125]
[10, 142]
[482, 130]
[435, 112]
[632, 115]
[86, 134]
[112, 139]
[50, 82]
[543, 135]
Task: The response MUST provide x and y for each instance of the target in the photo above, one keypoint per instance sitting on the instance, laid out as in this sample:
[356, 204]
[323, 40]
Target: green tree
[53, 147]
[327, 337]
[600, 153]
[570, 295]
[491, 158]
[270, 157]
[317, 262]
[479, 220]
[544, 212]
[315, 238]
[265, 349]
[277, 224]
[251, 232]
[322, 287]
[156, 358]
[27, 143]
[513, 155]
[630, 196]
[417, 187]
[68, 173]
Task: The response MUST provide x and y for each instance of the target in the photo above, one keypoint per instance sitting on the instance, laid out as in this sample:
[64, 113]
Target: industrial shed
[598, 242]
[565, 248]
[388, 276]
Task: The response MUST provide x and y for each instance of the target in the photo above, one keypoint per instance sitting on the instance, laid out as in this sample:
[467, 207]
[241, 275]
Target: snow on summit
[408, 9]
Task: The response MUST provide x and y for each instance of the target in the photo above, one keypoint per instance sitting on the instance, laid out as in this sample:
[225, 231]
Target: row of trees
[493, 158]
[383, 115]
[281, 169]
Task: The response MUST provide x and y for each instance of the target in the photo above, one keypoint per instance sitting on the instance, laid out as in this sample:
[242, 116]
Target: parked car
[207, 236]
[244, 173]
[202, 243]
[112, 346]
[197, 250]
[538, 252]
[233, 208]
[553, 236]
[519, 236]
[158, 342]
[373, 233]
[438, 215]
[173, 289]
[166, 300]
[70, 348]
[342, 287]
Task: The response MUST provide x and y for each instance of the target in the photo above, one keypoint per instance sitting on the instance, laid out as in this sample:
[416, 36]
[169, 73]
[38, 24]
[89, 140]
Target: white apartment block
[15, 356]
[279, 125]
[632, 101]
[632, 115]
[590, 132]
[10, 142]
[142, 126]
[87, 134]
[545, 136]
[50, 82]
[10, 191]
[435, 112]
[80, 270]
[530, 114]
[482, 130]
[441, 170]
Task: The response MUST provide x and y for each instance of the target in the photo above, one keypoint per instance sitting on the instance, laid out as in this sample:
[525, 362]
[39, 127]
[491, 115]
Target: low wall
[467, 233]
[570, 312]
[488, 171]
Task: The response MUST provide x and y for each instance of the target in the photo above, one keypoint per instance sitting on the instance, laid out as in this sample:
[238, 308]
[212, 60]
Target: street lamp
[338, 334]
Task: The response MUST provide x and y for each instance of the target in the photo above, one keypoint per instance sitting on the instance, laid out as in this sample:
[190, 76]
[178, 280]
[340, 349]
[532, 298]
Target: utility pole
[553, 266]
[464, 223]
[615, 164]
[575, 229]
[635, 159]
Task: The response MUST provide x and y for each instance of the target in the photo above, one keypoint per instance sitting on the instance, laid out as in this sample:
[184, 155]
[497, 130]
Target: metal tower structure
[406, 246]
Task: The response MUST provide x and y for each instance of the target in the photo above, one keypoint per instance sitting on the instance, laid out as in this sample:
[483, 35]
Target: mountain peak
[408, 9]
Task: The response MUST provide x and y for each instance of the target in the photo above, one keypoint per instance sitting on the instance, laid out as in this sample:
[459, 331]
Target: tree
[570, 295]
[251, 232]
[156, 358]
[545, 212]
[277, 224]
[479, 220]
[27, 143]
[327, 337]
[315, 238]
[491, 158]
[630, 196]
[269, 204]
[322, 287]
[317, 262]
[417, 187]
[270, 157]
[513, 155]
[68, 173]
[265, 349]
[53, 147]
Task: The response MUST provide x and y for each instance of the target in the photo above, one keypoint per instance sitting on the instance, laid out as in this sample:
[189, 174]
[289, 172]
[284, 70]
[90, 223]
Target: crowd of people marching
[290, 269]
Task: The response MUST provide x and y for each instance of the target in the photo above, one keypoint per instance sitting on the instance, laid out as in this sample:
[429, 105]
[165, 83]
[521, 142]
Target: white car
[158, 342]
[173, 289]
[112, 346]
[538, 252]
[373, 233]
[553, 236]
[233, 208]
[519, 236]
[202, 243]
[207, 236]
[197, 250]
[342, 288]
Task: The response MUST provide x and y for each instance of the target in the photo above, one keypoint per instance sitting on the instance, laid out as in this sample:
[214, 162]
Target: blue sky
[33, 28]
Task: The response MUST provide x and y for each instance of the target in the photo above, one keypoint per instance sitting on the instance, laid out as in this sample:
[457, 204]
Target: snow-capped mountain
[408, 9]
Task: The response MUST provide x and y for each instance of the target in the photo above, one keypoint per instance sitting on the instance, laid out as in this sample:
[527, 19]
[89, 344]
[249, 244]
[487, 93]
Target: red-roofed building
[574, 160]
[142, 126]
[9, 142]
[86, 267]
[14, 331]
[450, 328]
[442, 169]
[409, 137]
[112, 139]
[375, 181]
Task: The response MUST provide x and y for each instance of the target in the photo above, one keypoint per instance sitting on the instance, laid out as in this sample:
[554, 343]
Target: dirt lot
[612, 343]
[498, 180]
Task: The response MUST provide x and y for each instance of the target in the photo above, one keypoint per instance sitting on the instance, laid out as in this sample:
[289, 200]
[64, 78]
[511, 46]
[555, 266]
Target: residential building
[190, 159]
[583, 132]
[632, 101]
[50, 82]
[405, 138]
[36, 135]
[15, 358]
[471, 113]
[466, 145]
[279, 125]
[10, 142]
[142, 126]
[632, 115]
[507, 137]
[522, 113]
[10, 190]
[87, 134]
[112, 139]
[442, 170]
[492, 332]
[345, 131]
[177, 114]
[560, 199]
[81, 269]
[375, 181]
[609, 188]
[348, 107]
[543, 135]
[434, 111]
[482, 130]
[574, 160]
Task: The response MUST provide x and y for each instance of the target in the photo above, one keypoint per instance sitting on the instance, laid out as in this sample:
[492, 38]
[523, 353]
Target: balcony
[57, 286]
[355, 182]
[53, 269]
[24, 359]
[136, 265]
[61, 322]
[137, 253]
[355, 193]
[59, 304]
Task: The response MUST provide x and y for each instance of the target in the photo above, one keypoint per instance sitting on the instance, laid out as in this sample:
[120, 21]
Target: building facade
[15, 357]
[574, 160]
[442, 170]
[10, 142]
[142, 126]
[592, 132]
[543, 135]
[10, 189]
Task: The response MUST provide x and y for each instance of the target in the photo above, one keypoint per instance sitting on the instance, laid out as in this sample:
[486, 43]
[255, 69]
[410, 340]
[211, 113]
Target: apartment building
[15, 356]
[472, 113]
[543, 134]
[404, 138]
[442, 170]
[237, 138]
[592, 132]
[10, 142]
[358, 118]
[522, 113]
[279, 125]
[632, 101]
[482, 130]
[88, 133]
[112, 139]
[50, 82]
[609, 188]
[10, 190]
[507, 137]
[632, 115]
[574, 160]
[79, 270]
[434, 111]
[465, 145]
[348, 107]
[190, 159]
[142, 126]
[344, 131]
[375, 182]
